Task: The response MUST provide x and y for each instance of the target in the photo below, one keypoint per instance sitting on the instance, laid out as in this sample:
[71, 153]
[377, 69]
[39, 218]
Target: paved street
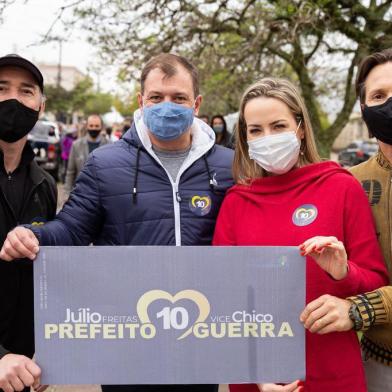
[61, 196]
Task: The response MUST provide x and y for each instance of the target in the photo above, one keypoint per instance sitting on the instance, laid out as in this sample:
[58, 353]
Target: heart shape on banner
[150, 296]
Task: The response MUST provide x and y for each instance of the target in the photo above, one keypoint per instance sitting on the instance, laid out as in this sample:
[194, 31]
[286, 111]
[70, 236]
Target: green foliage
[82, 99]
[58, 100]
[318, 44]
[81, 94]
[126, 106]
[99, 103]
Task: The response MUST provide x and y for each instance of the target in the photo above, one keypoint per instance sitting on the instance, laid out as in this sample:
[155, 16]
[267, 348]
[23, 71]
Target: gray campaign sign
[169, 315]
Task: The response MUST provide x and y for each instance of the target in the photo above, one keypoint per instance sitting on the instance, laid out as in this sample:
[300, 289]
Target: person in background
[116, 133]
[204, 117]
[109, 131]
[285, 196]
[28, 195]
[67, 140]
[81, 149]
[371, 312]
[127, 123]
[223, 136]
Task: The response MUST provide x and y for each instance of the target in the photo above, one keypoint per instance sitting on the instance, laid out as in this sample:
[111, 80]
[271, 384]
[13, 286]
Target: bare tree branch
[234, 42]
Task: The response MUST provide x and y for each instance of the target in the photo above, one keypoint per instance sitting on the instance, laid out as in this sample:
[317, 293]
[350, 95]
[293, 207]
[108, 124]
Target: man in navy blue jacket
[161, 184]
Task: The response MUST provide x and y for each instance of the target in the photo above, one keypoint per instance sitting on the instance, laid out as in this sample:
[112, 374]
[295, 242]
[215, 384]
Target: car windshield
[370, 146]
[352, 145]
[42, 131]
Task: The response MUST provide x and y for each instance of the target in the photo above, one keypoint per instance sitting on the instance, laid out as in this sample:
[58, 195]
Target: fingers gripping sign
[329, 253]
[296, 386]
[20, 243]
[327, 314]
[18, 372]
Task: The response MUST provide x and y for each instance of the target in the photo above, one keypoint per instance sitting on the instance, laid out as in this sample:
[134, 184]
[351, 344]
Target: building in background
[354, 130]
[65, 76]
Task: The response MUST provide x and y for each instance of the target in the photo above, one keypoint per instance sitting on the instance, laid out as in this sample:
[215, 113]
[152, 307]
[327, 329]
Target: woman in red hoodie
[286, 196]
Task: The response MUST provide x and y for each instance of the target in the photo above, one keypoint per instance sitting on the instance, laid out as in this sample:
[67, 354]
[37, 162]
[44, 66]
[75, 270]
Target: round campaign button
[305, 215]
[200, 205]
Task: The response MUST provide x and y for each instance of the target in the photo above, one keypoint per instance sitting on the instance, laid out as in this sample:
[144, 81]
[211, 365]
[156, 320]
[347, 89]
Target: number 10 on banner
[176, 318]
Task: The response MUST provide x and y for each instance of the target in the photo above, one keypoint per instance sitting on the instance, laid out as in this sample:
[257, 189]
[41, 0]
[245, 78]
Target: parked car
[44, 139]
[357, 152]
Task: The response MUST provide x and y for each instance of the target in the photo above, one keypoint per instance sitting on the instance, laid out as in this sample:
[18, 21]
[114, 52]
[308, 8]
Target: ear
[140, 100]
[42, 108]
[301, 133]
[198, 102]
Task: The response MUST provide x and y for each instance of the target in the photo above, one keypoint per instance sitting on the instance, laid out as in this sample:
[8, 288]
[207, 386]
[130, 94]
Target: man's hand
[20, 243]
[18, 372]
[296, 386]
[327, 314]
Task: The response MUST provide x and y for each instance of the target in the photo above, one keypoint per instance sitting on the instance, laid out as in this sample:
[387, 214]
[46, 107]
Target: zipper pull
[9, 176]
[178, 197]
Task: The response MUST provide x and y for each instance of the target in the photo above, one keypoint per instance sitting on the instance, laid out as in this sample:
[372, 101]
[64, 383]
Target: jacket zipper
[175, 189]
[177, 216]
[31, 193]
[9, 178]
[176, 199]
[26, 201]
[189, 161]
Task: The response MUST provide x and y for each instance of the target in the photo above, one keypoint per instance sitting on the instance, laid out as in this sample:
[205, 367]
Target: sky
[23, 27]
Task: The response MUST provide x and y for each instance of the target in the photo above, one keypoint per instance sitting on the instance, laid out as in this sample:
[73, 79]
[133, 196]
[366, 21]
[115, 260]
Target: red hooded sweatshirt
[321, 199]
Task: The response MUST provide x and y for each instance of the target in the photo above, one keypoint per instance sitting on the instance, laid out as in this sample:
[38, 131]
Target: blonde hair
[244, 168]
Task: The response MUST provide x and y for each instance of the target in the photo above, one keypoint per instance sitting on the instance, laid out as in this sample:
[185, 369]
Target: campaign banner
[169, 315]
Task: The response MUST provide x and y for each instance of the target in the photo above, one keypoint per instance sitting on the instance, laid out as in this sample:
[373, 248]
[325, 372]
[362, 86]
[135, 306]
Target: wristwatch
[355, 317]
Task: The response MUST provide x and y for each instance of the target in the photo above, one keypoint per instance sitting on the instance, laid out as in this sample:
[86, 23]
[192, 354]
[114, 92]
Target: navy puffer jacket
[124, 196]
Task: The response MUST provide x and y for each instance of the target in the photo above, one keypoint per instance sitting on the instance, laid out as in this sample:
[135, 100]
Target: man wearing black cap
[27, 196]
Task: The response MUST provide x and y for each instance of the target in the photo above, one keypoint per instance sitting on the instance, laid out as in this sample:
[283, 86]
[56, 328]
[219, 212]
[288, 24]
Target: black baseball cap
[18, 61]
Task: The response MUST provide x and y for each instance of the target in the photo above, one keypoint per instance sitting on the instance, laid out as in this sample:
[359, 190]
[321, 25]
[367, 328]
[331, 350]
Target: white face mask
[275, 153]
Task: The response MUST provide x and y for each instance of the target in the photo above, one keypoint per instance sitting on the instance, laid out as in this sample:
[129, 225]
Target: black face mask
[94, 132]
[379, 120]
[16, 120]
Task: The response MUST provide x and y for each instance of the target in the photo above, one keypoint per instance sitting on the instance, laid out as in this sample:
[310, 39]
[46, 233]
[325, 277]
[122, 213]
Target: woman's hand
[296, 386]
[329, 254]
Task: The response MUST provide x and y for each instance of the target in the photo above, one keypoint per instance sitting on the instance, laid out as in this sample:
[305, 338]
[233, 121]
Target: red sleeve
[224, 234]
[367, 270]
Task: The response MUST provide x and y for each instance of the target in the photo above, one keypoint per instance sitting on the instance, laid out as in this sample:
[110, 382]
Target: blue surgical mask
[218, 128]
[168, 120]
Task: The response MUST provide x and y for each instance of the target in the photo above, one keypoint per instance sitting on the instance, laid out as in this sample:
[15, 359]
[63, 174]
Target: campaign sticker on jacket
[200, 204]
[305, 215]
